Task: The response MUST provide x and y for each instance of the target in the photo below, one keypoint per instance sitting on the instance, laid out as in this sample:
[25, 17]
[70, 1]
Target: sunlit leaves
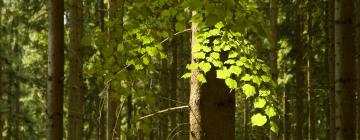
[201, 78]
[258, 120]
[270, 111]
[222, 74]
[259, 103]
[231, 83]
[249, 90]
[274, 127]
[186, 75]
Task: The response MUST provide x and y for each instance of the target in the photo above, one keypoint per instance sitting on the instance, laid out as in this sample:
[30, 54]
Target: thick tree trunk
[76, 87]
[55, 84]
[345, 70]
[212, 106]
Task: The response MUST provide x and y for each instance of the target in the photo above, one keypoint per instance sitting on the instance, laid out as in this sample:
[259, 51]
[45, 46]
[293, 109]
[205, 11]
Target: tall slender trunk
[345, 70]
[55, 84]
[311, 97]
[300, 72]
[76, 87]
[331, 68]
[246, 120]
[1, 74]
[174, 78]
[357, 38]
[182, 92]
[286, 107]
[164, 123]
[274, 52]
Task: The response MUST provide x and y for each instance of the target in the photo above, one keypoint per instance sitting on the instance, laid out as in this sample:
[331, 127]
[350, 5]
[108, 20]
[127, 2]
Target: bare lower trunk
[76, 88]
[344, 70]
[55, 84]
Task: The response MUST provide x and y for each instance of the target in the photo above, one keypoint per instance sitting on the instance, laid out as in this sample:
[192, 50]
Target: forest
[180, 69]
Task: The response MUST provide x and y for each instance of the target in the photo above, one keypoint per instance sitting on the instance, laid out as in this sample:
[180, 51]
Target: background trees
[251, 66]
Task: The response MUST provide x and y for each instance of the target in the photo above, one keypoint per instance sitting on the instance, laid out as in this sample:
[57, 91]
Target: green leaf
[230, 61]
[259, 103]
[120, 47]
[186, 75]
[139, 67]
[215, 55]
[86, 40]
[258, 120]
[246, 77]
[146, 61]
[200, 55]
[192, 66]
[249, 90]
[231, 83]
[264, 92]
[236, 70]
[179, 26]
[274, 127]
[265, 78]
[206, 49]
[270, 111]
[233, 54]
[201, 78]
[205, 67]
[152, 51]
[219, 25]
[256, 80]
[222, 74]
[217, 63]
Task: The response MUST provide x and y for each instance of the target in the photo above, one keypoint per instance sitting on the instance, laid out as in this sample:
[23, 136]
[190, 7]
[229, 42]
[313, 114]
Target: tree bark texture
[344, 70]
[55, 83]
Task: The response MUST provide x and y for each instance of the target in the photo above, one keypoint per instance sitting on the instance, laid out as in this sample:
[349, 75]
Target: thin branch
[164, 111]
[175, 35]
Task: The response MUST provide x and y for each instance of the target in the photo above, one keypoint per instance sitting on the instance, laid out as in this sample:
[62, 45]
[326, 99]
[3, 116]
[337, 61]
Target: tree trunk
[212, 106]
[55, 84]
[300, 72]
[246, 120]
[286, 106]
[357, 39]
[76, 87]
[130, 135]
[174, 78]
[344, 70]
[182, 92]
[164, 123]
[331, 75]
[310, 93]
[274, 52]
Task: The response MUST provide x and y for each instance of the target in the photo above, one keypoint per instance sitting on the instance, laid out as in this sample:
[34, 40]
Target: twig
[166, 39]
[164, 111]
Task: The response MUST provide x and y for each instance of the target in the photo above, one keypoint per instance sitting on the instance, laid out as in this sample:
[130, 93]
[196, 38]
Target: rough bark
[75, 80]
[55, 84]
[344, 70]
[212, 106]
